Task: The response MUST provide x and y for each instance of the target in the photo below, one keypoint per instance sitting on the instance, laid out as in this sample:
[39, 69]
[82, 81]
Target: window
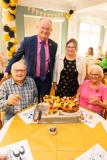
[105, 40]
[89, 36]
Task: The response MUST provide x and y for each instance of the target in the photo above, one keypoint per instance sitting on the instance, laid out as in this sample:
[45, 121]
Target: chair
[105, 114]
[86, 76]
[2, 113]
[1, 124]
[105, 79]
[4, 79]
[1, 119]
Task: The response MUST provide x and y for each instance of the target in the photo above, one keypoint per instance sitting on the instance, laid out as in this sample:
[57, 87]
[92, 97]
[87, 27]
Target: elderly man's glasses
[19, 70]
[45, 29]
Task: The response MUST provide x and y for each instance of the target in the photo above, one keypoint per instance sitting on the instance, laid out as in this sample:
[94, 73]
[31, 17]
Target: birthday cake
[64, 106]
[59, 110]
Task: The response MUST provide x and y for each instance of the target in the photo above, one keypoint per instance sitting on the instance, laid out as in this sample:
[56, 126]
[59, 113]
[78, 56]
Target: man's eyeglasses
[20, 70]
[46, 29]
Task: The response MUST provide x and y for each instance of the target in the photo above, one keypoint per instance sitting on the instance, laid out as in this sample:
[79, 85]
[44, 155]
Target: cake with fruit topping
[61, 105]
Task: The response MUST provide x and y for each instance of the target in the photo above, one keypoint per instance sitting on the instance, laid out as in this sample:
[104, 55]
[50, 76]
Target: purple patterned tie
[42, 61]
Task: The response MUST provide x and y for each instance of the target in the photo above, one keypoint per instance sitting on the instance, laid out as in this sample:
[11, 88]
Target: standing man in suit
[30, 49]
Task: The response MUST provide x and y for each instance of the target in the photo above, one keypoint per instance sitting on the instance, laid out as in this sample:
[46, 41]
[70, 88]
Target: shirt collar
[13, 82]
[39, 40]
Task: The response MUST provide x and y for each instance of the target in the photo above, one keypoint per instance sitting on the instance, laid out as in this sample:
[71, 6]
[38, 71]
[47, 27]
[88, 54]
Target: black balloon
[12, 15]
[71, 11]
[10, 44]
[11, 34]
[8, 48]
[6, 28]
[12, 7]
[6, 1]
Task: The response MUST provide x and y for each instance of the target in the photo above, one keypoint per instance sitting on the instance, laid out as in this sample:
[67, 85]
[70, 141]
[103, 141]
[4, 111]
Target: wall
[70, 30]
[64, 34]
[2, 42]
[21, 11]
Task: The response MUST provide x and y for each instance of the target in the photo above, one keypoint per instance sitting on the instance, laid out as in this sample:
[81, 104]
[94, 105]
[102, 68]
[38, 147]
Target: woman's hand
[95, 101]
[6, 75]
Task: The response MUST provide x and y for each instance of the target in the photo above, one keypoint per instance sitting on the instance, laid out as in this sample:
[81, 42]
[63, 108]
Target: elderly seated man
[18, 92]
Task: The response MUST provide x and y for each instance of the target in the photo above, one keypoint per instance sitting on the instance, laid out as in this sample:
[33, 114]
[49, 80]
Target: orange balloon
[14, 40]
[13, 11]
[4, 5]
[8, 16]
[6, 37]
[13, 2]
[13, 49]
[9, 54]
[13, 29]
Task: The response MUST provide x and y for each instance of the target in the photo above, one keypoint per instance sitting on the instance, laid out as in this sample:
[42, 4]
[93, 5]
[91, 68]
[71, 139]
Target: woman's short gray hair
[98, 68]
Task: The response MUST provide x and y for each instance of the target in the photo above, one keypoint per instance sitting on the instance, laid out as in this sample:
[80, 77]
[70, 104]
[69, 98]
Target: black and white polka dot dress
[68, 83]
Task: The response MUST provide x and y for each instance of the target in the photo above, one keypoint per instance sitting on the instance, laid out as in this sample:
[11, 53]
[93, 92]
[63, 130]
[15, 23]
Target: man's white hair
[45, 19]
[19, 62]
[98, 68]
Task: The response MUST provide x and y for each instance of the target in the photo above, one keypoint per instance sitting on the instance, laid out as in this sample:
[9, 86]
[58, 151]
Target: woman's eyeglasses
[71, 47]
[94, 75]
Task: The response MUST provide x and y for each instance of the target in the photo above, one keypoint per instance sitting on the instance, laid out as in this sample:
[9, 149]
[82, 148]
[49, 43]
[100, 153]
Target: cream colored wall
[59, 29]
[33, 21]
[2, 42]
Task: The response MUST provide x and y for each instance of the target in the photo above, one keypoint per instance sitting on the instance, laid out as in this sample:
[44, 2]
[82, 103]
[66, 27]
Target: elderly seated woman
[92, 94]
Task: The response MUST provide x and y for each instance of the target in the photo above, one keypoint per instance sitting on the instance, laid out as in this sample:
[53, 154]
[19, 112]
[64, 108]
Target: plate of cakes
[53, 106]
[59, 110]
[69, 106]
[66, 106]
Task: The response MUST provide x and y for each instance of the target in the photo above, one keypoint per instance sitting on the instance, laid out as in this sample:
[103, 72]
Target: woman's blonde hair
[98, 68]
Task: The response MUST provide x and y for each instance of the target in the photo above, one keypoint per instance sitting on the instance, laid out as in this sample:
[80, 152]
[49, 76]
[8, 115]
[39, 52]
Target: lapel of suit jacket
[34, 49]
[50, 49]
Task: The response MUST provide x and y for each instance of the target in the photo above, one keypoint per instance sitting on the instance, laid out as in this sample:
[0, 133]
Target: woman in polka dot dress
[69, 71]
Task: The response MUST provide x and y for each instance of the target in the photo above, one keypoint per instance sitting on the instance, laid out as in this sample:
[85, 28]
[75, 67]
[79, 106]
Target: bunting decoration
[45, 13]
[9, 25]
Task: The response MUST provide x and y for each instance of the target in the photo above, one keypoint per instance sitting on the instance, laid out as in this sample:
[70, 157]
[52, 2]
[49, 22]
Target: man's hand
[6, 75]
[13, 99]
